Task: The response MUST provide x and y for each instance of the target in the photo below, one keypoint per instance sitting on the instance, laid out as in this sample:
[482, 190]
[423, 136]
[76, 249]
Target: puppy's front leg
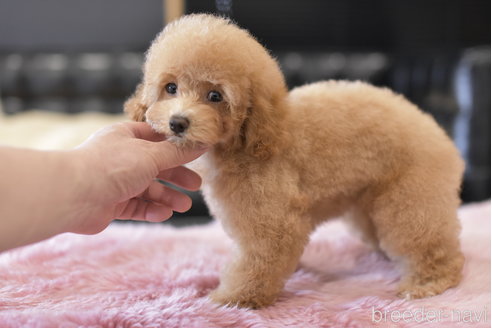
[268, 252]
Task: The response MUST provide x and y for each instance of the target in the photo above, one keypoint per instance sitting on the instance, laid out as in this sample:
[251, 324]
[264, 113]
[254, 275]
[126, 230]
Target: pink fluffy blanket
[159, 276]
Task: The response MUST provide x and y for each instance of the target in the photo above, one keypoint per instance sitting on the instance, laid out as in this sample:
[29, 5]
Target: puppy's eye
[214, 96]
[171, 88]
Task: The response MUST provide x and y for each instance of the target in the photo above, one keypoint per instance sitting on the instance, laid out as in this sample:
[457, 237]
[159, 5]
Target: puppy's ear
[260, 129]
[135, 106]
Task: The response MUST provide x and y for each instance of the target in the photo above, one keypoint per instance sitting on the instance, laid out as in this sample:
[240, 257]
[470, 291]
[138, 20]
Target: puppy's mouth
[176, 135]
[178, 138]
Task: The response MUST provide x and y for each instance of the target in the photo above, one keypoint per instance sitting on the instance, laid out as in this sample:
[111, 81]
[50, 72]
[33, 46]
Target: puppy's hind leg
[362, 225]
[420, 230]
[268, 253]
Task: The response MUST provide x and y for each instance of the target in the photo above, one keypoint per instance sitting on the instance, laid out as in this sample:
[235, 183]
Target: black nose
[178, 124]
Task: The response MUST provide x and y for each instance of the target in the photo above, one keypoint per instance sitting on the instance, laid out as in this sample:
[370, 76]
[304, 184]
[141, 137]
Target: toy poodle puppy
[280, 163]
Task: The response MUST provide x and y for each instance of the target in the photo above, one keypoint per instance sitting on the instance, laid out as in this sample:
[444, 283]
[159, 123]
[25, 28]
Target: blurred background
[66, 66]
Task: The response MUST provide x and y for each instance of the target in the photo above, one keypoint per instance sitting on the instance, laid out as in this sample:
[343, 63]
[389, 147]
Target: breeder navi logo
[430, 315]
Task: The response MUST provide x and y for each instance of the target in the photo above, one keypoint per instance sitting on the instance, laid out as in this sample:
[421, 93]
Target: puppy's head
[208, 82]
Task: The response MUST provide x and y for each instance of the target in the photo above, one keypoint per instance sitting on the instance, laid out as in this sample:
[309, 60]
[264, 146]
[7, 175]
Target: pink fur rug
[159, 276]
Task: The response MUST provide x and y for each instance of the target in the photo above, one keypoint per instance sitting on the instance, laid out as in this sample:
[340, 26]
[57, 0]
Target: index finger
[169, 155]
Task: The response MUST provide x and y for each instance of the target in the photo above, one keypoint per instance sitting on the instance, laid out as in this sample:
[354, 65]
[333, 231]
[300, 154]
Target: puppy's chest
[222, 188]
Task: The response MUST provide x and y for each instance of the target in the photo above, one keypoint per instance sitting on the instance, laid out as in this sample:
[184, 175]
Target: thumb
[168, 155]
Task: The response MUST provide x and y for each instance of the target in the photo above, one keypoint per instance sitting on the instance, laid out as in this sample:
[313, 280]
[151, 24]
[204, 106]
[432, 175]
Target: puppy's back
[358, 118]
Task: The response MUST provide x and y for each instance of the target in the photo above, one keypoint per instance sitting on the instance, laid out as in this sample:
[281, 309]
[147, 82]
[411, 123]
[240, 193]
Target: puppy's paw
[240, 300]
[415, 292]
[415, 287]
[410, 291]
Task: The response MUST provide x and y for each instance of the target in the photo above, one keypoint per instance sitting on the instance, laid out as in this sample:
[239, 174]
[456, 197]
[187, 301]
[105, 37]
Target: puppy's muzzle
[178, 124]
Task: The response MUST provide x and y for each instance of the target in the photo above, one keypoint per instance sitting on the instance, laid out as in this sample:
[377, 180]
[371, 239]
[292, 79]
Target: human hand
[119, 165]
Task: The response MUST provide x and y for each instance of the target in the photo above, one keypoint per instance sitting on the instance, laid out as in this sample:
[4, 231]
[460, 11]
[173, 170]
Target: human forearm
[37, 193]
